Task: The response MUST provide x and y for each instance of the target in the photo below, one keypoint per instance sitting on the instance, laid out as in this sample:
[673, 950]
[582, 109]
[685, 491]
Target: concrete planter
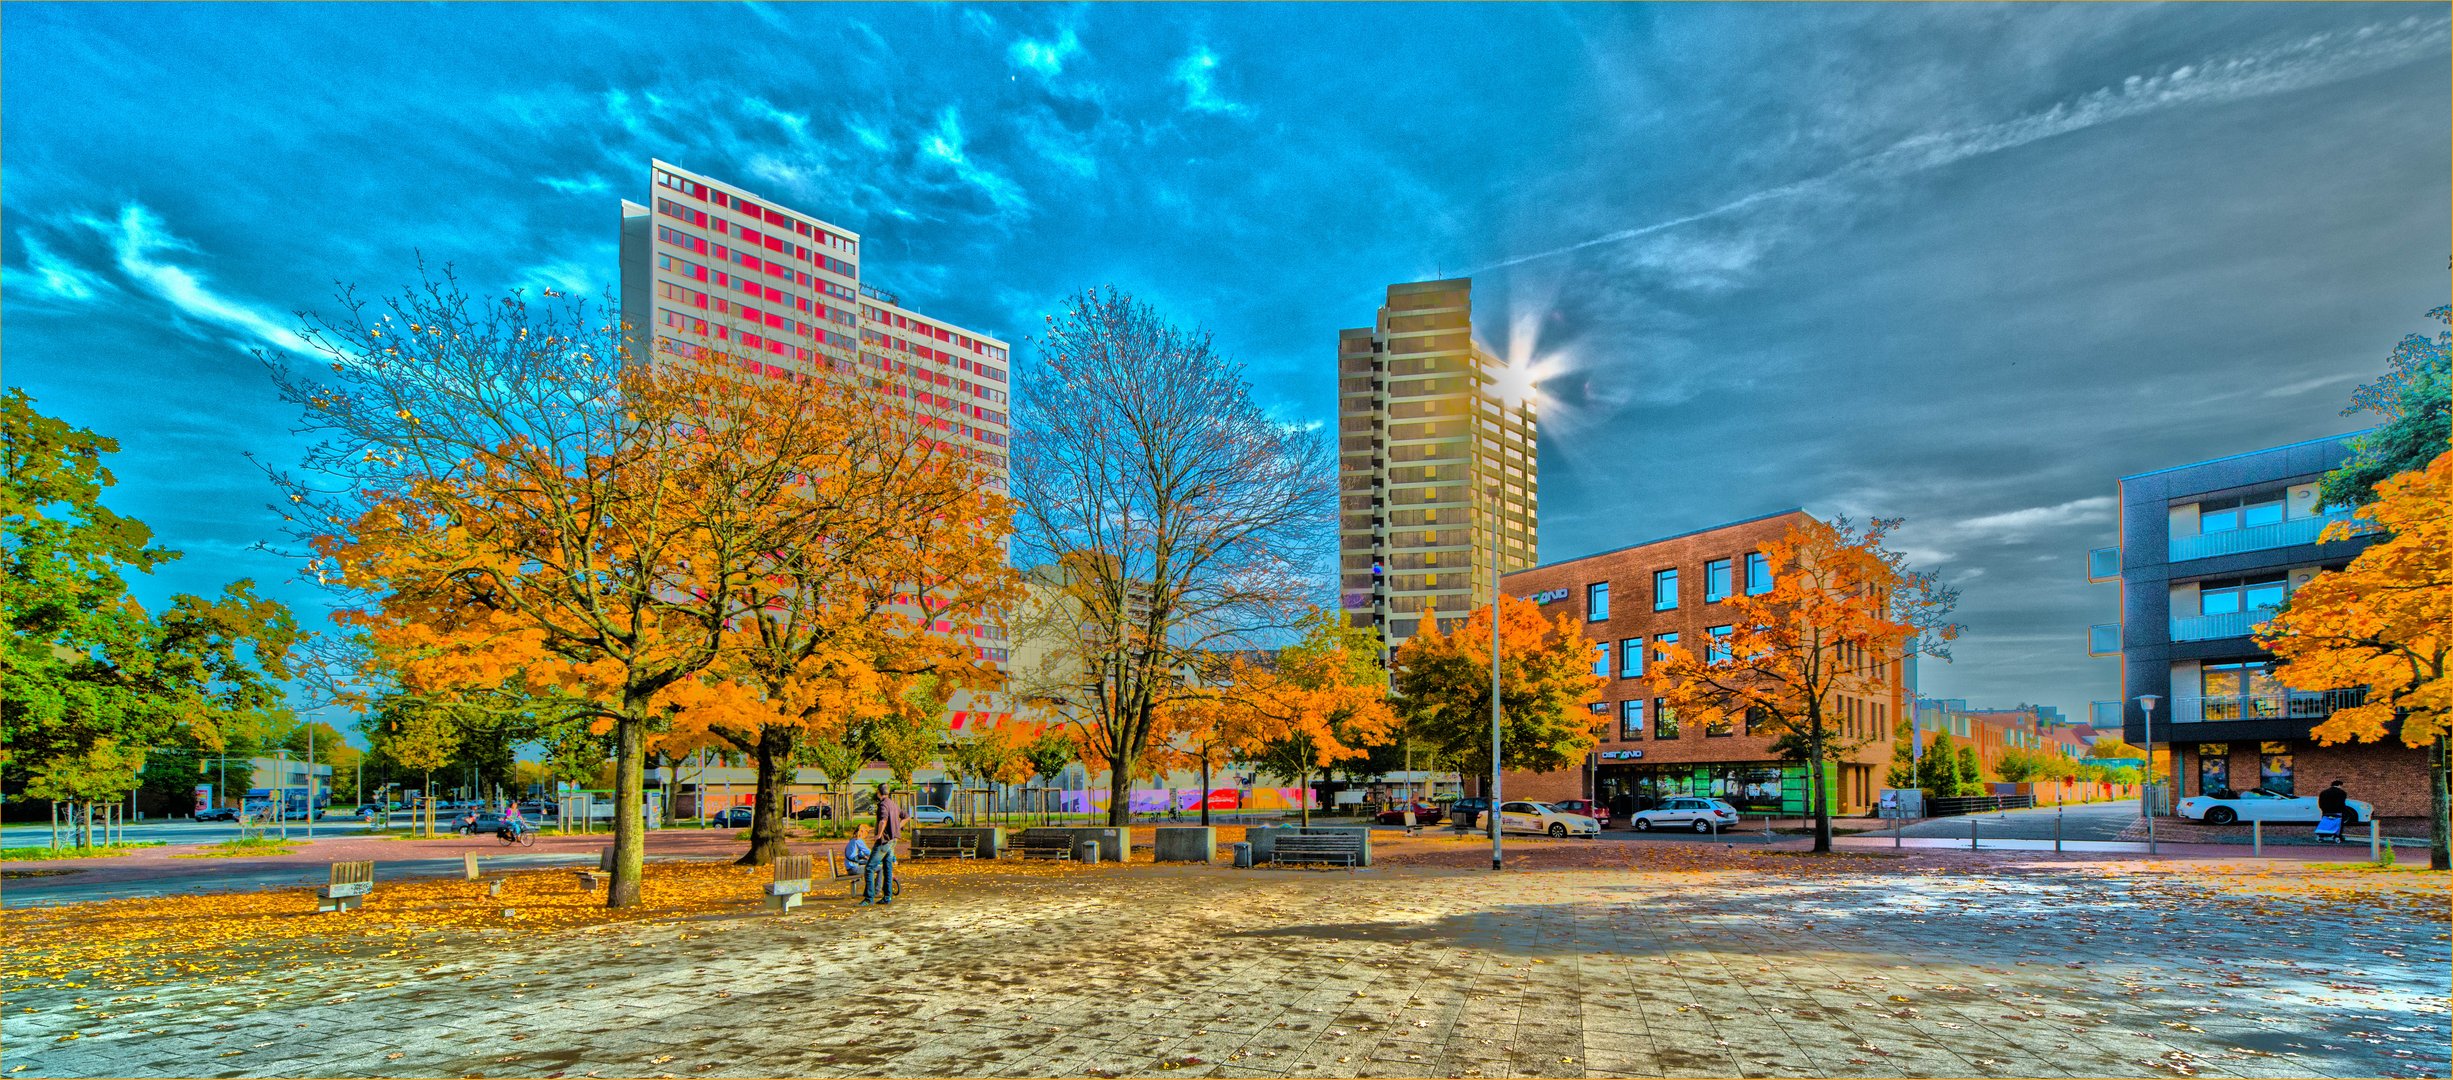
[1187, 843]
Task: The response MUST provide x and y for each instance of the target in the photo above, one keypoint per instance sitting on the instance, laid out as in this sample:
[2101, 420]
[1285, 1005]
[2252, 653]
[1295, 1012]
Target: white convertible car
[2261, 805]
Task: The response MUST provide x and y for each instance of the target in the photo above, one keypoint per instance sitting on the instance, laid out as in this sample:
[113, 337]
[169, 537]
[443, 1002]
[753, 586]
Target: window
[1659, 640]
[1601, 659]
[1597, 602]
[2226, 515]
[1631, 720]
[2239, 690]
[1664, 590]
[1719, 729]
[1716, 651]
[1664, 720]
[1716, 581]
[2274, 767]
[2214, 767]
[1631, 658]
[1758, 574]
[2236, 595]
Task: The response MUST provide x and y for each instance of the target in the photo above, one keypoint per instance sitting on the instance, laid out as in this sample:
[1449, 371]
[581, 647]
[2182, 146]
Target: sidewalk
[2304, 853]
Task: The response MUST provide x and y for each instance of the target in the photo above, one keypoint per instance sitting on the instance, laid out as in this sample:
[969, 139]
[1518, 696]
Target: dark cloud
[1961, 263]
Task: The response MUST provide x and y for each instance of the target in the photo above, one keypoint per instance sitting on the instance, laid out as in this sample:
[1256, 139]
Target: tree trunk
[2439, 829]
[629, 804]
[1815, 786]
[767, 812]
[1303, 796]
[1205, 787]
[1120, 794]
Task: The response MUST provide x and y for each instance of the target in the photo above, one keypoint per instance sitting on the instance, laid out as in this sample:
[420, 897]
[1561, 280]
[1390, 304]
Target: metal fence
[1976, 804]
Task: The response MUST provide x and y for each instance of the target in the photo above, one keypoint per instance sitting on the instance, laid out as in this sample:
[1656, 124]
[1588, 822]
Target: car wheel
[1703, 826]
[1558, 830]
[1643, 824]
[2221, 815]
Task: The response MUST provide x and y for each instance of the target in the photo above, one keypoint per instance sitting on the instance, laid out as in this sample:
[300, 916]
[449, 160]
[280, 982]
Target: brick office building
[1632, 601]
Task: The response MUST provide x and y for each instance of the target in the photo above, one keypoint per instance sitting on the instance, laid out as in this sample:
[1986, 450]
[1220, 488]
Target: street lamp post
[1494, 807]
[2146, 775]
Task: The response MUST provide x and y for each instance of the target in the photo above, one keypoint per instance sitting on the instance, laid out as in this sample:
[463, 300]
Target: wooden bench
[944, 844]
[1317, 848]
[792, 879]
[1046, 844]
[347, 889]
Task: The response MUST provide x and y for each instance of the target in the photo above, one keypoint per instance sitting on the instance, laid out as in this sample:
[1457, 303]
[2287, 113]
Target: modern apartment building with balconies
[2208, 551]
[1437, 467]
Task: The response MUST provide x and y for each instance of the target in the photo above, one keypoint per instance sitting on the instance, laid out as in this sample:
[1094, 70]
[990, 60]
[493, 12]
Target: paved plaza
[1622, 960]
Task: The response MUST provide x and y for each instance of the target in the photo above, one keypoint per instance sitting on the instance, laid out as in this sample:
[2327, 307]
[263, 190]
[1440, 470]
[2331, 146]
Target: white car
[932, 815]
[1686, 812]
[2227, 807]
[1533, 817]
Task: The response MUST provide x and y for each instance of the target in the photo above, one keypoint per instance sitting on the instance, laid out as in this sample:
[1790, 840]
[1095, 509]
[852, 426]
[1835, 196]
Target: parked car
[1424, 814]
[814, 812]
[1534, 817]
[733, 817]
[1468, 812]
[2228, 807]
[217, 813]
[1586, 807]
[1686, 812]
[370, 811]
[931, 815]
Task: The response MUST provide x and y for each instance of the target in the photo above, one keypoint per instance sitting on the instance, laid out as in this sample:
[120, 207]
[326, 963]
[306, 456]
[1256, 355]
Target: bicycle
[519, 835]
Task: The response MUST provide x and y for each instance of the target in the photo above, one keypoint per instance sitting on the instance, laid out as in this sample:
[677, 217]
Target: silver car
[1687, 812]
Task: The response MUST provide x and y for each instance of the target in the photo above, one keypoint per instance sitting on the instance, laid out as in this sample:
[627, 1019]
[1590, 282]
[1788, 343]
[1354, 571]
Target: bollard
[2056, 830]
[1971, 834]
[468, 865]
[2257, 837]
[2375, 841]
[1898, 815]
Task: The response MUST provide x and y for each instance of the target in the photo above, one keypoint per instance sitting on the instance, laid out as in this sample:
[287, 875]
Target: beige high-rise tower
[1435, 466]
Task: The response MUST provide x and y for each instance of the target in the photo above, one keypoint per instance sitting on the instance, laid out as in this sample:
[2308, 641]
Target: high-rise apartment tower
[779, 291]
[1436, 467]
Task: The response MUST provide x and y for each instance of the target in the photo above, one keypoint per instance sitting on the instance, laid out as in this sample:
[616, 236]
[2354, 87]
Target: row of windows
[1665, 586]
[1665, 726]
[721, 306]
[1631, 652]
[899, 322]
[746, 208]
[742, 256]
[899, 344]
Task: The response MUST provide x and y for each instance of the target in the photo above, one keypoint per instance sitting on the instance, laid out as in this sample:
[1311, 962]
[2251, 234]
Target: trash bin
[1087, 851]
[1243, 855]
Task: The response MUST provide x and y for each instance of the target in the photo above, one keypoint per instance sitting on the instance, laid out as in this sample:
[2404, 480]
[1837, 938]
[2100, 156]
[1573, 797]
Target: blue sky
[1966, 264]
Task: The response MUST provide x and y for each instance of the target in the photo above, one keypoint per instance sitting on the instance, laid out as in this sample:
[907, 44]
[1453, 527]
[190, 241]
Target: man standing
[878, 885]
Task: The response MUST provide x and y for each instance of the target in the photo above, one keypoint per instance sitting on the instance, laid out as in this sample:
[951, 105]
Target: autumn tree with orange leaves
[1296, 711]
[1841, 611]
[500, 492]
[1443, 685]
[2384, 623]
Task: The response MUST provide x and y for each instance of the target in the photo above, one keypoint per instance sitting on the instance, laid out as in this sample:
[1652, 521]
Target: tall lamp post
[2146, 786]
[1496, 854]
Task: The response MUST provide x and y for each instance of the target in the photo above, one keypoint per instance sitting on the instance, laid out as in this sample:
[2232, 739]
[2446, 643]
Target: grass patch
[96, 851]
[247, 845]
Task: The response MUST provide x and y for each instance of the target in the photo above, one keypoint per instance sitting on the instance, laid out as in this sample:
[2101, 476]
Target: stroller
[2329, 829]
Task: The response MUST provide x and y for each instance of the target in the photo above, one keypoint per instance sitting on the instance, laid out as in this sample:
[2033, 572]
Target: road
[182, 831]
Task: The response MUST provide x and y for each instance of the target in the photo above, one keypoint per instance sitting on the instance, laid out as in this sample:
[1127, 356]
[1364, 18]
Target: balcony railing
[2254, 538]
[2104, 564]
[2278, 705]
[2104, 639]
[2214, 627]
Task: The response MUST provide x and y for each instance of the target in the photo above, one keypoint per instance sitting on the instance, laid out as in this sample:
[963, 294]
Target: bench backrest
[792, 868]
[1321, 842]
[353, 873]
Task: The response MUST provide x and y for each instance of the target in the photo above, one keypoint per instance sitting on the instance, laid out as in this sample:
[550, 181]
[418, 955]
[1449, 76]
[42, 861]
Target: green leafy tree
[910, 734]
[1971, 772]
[1050, 753]
[1443, 684]
[2414, 401]
[1937, 769]
[89, 679]
[1902, 773]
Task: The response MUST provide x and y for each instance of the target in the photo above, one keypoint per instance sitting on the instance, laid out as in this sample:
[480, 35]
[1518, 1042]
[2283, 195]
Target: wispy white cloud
[49, 276]
[571, 277]
[1198, 71]
[761, 109]
[590, 184]
[2018, 524]
[1044, 58]
[869, 137]
[945, 144]
[138, 237]
[767, 14]
[2314, 60]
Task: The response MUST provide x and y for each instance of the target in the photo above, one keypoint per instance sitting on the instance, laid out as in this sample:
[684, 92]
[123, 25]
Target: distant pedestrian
[878, 886]
[2333, 811]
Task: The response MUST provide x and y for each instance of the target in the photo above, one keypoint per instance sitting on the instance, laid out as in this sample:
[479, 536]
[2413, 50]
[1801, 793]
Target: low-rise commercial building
[1633, 601]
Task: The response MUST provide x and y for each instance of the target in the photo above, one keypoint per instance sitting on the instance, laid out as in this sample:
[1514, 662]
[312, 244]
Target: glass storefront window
[2214, 767]
[2274, 767]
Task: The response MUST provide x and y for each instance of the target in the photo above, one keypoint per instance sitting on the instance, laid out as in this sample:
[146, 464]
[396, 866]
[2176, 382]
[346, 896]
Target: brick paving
[1758, 964]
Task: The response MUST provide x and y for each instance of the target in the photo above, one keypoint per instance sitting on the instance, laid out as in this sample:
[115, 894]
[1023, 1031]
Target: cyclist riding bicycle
[512, 823]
